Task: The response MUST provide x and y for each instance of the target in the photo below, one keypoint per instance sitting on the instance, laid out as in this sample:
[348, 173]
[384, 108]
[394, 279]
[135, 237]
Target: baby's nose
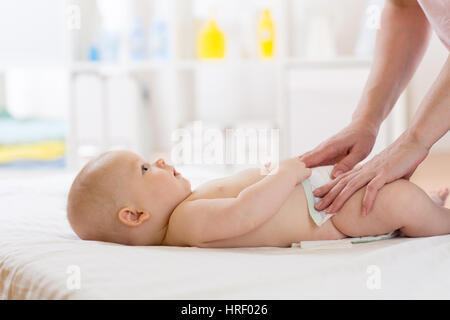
[160, 163]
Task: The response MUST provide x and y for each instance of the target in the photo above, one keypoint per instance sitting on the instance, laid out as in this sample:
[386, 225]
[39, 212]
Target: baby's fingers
[317, 157]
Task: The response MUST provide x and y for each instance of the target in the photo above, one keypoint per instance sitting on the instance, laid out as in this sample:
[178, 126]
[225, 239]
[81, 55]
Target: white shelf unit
[181, 69]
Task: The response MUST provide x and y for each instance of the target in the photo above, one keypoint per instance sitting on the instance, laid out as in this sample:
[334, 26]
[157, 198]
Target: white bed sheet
[37, 248]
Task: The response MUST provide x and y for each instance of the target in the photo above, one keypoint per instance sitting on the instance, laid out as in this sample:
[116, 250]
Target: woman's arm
[399, 160]
[432, 119]
[400, 46]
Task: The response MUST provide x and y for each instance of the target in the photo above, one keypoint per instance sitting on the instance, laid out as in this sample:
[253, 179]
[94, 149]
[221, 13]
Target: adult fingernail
[329, 210]
[319, 205]
[316, 192]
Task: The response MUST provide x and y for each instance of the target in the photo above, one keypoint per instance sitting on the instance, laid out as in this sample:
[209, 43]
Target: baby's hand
[297, 167]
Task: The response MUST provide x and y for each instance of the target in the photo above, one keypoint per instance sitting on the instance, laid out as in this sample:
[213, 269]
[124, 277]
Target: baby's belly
[291, 224]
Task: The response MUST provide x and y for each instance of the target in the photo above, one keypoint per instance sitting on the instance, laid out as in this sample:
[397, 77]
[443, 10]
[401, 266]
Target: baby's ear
[132, 217]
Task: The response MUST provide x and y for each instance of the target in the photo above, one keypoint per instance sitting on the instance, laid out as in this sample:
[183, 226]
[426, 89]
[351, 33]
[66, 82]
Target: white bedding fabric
[37, 246]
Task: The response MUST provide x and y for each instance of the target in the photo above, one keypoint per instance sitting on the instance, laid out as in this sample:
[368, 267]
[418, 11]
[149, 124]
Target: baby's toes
[439, 196]
[443, 194]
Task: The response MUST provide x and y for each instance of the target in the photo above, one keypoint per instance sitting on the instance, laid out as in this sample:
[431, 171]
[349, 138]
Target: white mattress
[37, 247]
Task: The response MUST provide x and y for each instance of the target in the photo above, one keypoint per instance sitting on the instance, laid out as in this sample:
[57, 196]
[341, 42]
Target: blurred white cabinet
[321, 99]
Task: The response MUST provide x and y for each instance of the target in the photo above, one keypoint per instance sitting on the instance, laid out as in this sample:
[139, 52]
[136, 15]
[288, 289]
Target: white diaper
[319, 177]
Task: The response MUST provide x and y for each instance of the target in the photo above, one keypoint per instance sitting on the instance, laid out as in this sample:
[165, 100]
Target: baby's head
[119, 197]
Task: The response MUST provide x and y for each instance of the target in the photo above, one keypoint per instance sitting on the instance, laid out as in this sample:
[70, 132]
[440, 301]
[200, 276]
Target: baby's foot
[439, 196]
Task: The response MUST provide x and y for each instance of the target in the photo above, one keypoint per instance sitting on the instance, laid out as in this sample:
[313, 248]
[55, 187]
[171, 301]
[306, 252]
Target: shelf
[236, 63]
[186, 65]
[339, 62]
[117, 68]
[194, 65]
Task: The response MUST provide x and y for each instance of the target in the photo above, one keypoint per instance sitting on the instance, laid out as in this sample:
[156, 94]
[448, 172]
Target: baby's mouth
[175, 173]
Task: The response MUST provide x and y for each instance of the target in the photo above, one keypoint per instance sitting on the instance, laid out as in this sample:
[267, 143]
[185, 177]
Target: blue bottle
[137, 40]
[93, 54]
[159, 39]
[109, 45]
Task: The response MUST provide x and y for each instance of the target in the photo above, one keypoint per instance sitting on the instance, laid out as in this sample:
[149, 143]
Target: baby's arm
[207, 220]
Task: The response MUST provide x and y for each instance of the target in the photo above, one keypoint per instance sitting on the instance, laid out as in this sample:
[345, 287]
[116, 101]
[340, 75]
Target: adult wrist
[421, 139]
[367, 123]
[369, 114]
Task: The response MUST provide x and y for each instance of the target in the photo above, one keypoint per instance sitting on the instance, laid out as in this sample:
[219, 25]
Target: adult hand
[345, 149]
[399, 160]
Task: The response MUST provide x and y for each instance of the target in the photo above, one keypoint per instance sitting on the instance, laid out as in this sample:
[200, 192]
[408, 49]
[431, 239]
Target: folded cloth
[47, 150]
[59, 163]
[15, 131]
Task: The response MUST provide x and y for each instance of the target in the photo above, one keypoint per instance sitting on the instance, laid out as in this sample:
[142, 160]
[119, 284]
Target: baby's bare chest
[228, 187]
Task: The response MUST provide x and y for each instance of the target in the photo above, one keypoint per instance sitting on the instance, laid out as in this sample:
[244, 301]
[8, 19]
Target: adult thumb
[346, 164]
[317, 157]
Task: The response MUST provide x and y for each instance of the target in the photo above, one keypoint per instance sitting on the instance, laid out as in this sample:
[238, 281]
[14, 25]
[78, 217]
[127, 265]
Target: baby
[120, 197]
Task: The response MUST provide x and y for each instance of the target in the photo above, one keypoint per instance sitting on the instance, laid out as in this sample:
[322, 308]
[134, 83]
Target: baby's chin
[188, 185]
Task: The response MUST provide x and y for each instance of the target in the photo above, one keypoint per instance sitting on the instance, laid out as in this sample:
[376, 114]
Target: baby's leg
[399, 205]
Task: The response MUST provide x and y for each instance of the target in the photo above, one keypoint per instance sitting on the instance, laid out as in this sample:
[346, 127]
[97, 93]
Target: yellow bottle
[266, 35]
[211, 42]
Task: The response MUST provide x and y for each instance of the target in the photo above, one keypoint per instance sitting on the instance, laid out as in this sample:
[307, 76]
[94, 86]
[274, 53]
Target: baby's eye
[144, 168]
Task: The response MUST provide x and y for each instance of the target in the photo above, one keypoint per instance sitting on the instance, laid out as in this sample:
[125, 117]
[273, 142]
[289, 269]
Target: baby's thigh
[383, 218]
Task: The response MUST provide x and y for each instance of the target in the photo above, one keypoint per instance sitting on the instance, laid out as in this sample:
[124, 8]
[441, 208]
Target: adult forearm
[432, 119]
[400, 45]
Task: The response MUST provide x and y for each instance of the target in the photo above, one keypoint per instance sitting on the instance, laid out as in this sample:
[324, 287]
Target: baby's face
[150, 184]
